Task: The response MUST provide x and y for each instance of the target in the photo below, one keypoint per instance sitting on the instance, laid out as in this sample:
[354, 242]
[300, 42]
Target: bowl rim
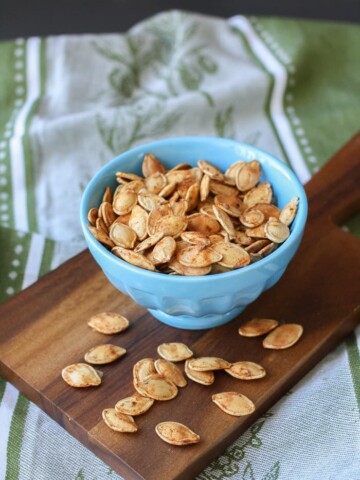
[174, 279]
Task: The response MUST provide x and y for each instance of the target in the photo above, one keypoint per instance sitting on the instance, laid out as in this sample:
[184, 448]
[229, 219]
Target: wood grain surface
[44, 328]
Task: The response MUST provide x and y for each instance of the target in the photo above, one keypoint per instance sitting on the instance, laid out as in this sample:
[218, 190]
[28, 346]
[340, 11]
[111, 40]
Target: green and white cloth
[71, 103]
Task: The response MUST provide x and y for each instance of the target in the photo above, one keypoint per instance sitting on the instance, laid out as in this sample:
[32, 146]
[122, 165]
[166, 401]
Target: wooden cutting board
[44, 328]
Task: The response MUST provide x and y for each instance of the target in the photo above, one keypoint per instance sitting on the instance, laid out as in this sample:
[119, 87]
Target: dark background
[46, 17]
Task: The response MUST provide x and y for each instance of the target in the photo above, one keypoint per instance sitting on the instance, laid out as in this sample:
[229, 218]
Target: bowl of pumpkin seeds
[194, 228]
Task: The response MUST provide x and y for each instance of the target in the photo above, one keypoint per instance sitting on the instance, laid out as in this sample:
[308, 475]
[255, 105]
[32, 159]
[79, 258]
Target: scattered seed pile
[191, 221]
[159, 379]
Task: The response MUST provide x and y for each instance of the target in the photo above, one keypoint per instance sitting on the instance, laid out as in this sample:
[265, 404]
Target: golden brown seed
[230, 204]
[168, 190]
[205, 364]
[268, 210]
[155, 182]
[246, 371]
[188, 271]
[164, 250]
[257, 232]
[257, 326]
[157, 387]
[276, 231]
[107, 213]
[204, 188]
[224, 220]
[209, 169]
[148, 242]
[288, 213]
[176, 433]
[267, 249]
[103, 354]
[174, 351]
[151, 165]
[180, 207]
[127, 177]
[149, 200]
[108, 323]
[134, 186]
[180, 166]
[134, 258]
[81, 375]
[119, 421]
[170, 225]
[124, 202]
[257, 246]
[192, 196]
[283, 337]
[170, 371]
[100, 225]
[234, 403]
[138, 222]
[122, 235]
[101, 236]
[233, 256]
[143, 369]
[252, 218]
[156, 214]
[260, 194]
[218, 188]
[134, 405]
[205, 378]
[232, 171]
[200, 222]
[248, 176]
[196, 238]
[108, 196]
[198, 256]
[92, 216]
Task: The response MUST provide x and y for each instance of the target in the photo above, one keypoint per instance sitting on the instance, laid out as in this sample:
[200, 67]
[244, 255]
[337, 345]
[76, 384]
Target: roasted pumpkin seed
[119, 421]
[134, 405]
[234, 403]
[174, 351]
[283, 337]
[246, 370]
[205, 364]
[205, 378]
[103, 354]
[108, 323]
[170, 371]
[81, 375]
[176, 433]
[157, 387]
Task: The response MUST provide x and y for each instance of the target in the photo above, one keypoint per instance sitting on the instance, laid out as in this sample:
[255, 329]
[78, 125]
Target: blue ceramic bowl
[206, 301]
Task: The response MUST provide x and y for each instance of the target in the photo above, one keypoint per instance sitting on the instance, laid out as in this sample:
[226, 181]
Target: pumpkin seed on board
[157, 387]
[288, 213]
[204, 378]
[204, 364]
[134, 258]
[134, 405]
[246, 370]
[103, 354]
[170, 371]
[81, 375]
[257, 327]
[283, 337]
[174, 351]
[108, 323]
[176, 433]
[143, 369]
[234, 403]
[119, 421]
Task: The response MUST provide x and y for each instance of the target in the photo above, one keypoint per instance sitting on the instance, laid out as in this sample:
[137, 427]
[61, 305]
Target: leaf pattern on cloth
[168, 52]
[230, 463]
